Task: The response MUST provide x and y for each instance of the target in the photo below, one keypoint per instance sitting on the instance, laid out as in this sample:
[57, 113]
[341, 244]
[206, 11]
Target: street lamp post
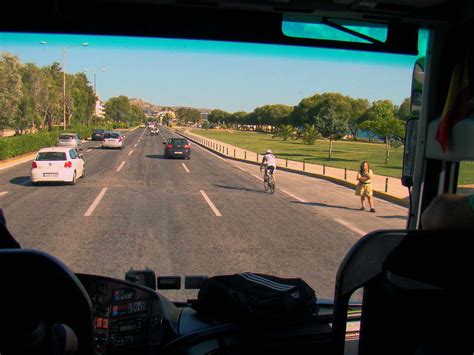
[84, 44]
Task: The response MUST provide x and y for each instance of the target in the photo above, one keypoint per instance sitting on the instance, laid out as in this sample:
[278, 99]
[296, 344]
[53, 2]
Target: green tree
[403, 112]
[310, 134]
[118, 109]
[219, 116]
[382, 121]
[285, 132]
[186, 115]
[330, 124]
[357, 114]
[10, 89]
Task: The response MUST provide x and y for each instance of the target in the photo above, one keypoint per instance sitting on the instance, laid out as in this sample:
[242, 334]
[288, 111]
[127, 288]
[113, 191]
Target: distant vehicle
[98, 134]
[70, 140]
[177, 148]
[154, 130]
[58, 164]
[113, 140]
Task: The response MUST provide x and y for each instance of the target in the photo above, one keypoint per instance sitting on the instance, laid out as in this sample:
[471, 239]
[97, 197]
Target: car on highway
[98, 134]
[177, 148]
[57, 164]
[113, 140]
[154, 131]
[69, 140]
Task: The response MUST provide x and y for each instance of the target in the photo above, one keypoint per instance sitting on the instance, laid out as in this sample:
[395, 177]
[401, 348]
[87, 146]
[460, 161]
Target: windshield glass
[51, 156]
[205, 210]
[66, 136]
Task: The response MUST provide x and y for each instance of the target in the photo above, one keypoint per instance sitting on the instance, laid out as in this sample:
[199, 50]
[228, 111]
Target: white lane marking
[350, 226]
[257, 177]
[3, 193]
[130, 152]
[209, 202]
[294, 196]
[89, 150]
[185, 167]
[96, 202]
[135, 145]
[238, 167]
[120, 166]
[214, 155]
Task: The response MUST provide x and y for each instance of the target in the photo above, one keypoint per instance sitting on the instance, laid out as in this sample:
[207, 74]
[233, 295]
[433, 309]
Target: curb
[382, 195]
[9, 163]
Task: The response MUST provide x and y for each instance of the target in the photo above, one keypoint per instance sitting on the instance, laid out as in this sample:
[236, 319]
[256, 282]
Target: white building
[99, 110]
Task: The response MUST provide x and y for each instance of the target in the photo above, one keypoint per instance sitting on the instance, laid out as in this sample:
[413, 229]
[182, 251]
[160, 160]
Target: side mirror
[417, 82]
[164, 142]
[411, 134]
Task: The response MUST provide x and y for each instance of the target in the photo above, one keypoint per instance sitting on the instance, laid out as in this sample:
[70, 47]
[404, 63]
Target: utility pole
[64, 88]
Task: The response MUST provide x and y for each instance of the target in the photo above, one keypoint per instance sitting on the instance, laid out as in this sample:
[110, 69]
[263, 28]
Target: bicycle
[269, 180]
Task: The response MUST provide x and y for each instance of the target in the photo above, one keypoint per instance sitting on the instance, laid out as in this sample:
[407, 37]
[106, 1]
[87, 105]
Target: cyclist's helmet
[268, 151]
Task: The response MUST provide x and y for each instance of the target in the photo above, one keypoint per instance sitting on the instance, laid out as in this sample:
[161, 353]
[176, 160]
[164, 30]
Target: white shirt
[269, 160]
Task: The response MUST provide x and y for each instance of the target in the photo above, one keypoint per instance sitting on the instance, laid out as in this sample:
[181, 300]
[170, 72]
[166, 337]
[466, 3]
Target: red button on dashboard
[98, 323]
[105, 323]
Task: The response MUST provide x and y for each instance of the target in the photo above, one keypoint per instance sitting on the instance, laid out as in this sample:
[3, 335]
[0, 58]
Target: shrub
[13, 146]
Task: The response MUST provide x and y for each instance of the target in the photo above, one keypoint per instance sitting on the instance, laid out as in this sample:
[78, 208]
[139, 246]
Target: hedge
[13, 146]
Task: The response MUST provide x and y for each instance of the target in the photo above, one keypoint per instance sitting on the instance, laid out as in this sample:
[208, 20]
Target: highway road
[203, 216]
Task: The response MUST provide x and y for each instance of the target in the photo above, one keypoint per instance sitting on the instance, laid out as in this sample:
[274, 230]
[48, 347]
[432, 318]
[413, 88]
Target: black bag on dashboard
[258, 298]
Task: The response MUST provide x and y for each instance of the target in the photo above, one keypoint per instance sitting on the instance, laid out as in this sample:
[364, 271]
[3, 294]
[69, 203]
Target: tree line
[328, 115]
[31, 98]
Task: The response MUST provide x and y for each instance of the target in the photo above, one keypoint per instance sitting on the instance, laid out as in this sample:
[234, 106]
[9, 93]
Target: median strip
[209, 202]
[350, 226]
[121, 166]
[185, 167]
[96, 202]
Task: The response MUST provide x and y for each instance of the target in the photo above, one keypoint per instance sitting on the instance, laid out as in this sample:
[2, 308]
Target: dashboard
[127, 318]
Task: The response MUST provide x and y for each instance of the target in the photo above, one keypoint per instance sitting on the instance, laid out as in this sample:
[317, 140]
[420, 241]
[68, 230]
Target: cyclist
[269, 163]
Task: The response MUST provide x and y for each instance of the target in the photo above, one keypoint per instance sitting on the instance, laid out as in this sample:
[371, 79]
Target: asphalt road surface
[203, 216]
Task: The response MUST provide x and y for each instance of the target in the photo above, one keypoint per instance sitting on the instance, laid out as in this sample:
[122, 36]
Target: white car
[57, 164]
[113, 140]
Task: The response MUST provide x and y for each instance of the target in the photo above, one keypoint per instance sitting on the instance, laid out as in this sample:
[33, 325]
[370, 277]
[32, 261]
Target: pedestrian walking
[364, 186]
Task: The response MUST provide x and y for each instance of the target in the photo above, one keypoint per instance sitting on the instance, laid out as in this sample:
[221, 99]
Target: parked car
[70, 140]
[98, 134]
[177, 147]
[57, 164]
[113, 140]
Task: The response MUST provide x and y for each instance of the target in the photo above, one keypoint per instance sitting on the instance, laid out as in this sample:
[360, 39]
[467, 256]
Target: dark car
[177, 148]
[98, 134]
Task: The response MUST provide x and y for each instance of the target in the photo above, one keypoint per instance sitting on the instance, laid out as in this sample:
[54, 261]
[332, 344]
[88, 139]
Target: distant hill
[151, 109]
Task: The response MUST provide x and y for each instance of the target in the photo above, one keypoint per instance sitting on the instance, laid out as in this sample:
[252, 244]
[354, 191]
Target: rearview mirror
[411, 133]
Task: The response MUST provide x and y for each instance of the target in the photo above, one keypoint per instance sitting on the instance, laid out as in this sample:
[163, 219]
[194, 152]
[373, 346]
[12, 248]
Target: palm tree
[285, 132]
[310, 134]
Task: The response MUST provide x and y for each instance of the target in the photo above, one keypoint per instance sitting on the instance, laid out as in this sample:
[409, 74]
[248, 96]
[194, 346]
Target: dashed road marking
[135, 145]
[96, 202]
[121, 166]
[130, 152]
[349, 226]
[89, 150]
[185, 167]
[3, 193]
[293, 196]
[209, 202]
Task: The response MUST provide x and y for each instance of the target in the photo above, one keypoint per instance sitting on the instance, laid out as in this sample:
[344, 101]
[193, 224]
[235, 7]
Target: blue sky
[230, 76]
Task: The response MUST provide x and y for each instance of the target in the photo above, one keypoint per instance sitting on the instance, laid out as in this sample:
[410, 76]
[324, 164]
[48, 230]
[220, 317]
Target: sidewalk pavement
[384, 186]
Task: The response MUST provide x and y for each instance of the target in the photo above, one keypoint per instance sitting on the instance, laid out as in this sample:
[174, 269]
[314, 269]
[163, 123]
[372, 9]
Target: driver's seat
[38, 292]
